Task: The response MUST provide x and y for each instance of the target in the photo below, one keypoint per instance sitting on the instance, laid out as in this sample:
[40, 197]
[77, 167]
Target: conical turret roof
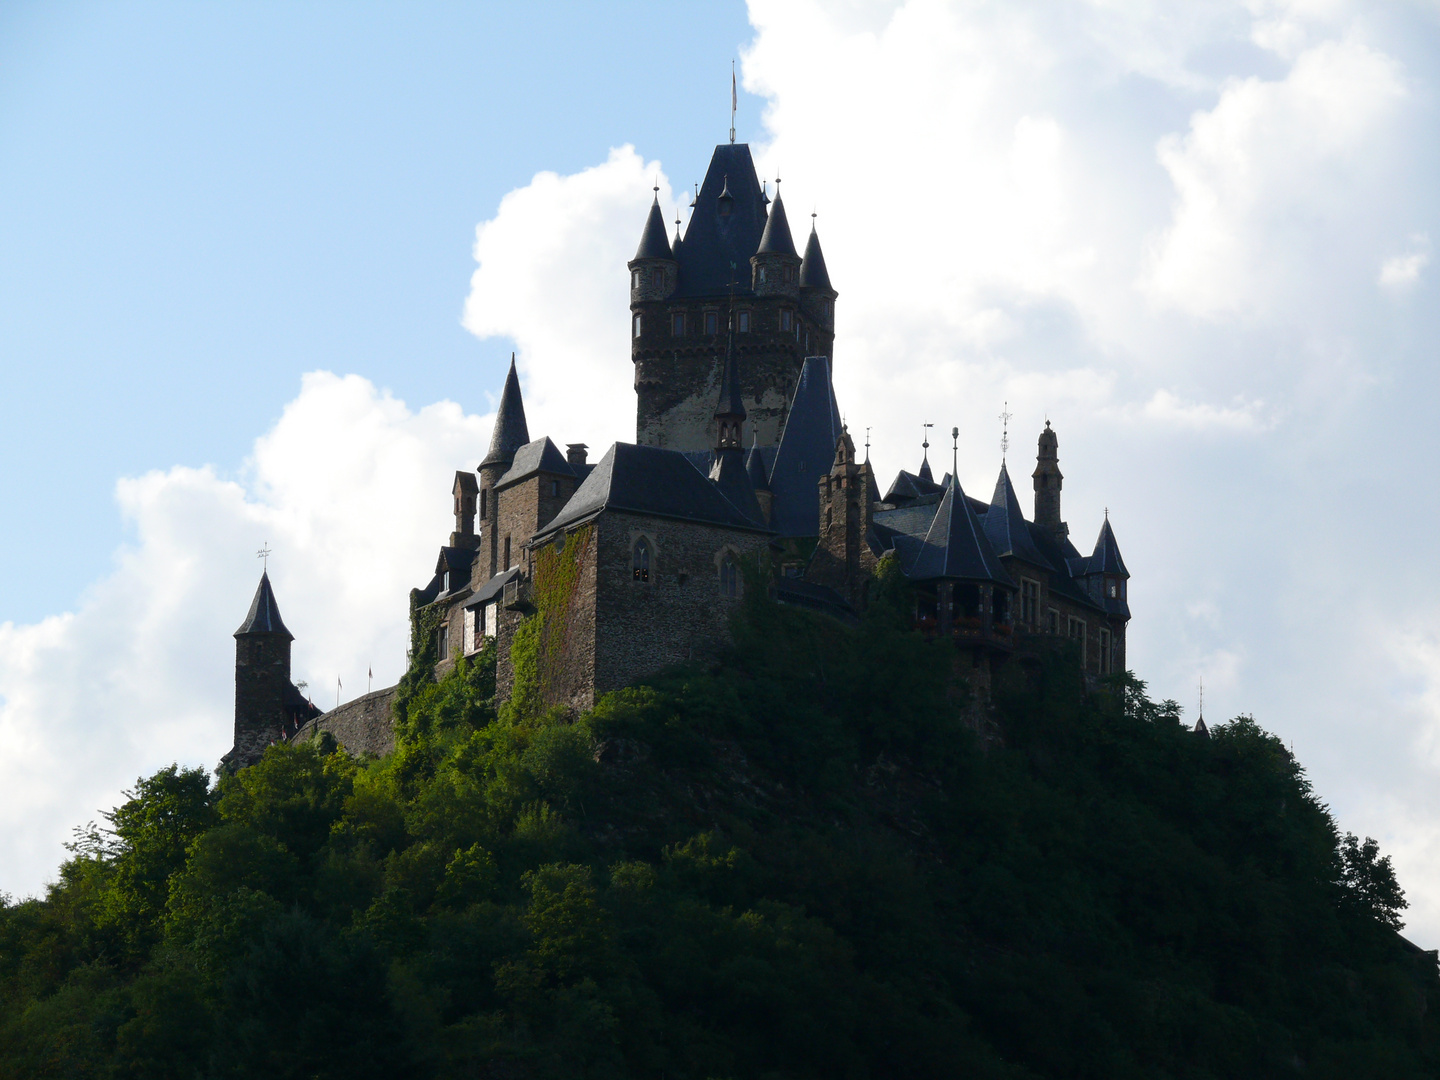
[264, 614]
[511, 431]
[1106, 557]
[813, 274]
[654, 241]
[776, 239]
[1005, 525]
[956, 546]
[925, 473]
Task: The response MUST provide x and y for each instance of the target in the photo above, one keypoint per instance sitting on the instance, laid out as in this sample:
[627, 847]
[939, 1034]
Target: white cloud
[1401, 271]
[350, 488]
[1258, 176]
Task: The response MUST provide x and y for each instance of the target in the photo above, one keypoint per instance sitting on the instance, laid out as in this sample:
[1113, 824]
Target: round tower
[262, 679]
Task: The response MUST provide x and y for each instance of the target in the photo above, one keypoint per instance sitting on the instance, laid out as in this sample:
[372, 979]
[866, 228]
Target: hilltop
[815, 858]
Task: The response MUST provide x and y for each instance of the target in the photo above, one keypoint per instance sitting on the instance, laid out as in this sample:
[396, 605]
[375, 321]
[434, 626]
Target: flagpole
[734, 102]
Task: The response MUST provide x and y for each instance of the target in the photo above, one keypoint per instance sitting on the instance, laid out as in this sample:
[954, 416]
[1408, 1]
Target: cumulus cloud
[1401, 271]
[350, 488]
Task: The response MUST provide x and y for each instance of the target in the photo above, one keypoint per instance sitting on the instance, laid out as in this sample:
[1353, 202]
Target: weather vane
[925, 445]
[1005, 431]
[867, 444]
[264, 555]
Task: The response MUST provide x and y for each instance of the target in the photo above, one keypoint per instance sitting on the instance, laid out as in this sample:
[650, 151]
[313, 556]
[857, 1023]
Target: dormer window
[742, 322]
[640, 560]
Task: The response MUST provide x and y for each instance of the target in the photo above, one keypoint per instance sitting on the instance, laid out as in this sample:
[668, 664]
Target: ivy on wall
[556, 576]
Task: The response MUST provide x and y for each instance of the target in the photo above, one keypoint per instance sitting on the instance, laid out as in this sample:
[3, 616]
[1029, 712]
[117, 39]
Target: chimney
[575, 453]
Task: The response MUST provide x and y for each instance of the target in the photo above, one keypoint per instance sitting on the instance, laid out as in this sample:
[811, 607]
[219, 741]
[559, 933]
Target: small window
[445, 582]
[507, 553]
[442, 642]
[729, 577]
[712, 322]
[640, 560]
[785, 320]
[491, 619]
[1029, 601]
[677, 324]
[1054, 626]
[1077, 633]
[483, 492]
[762, 273]
[637, 325]
[742, 322]
[555, 488]
[657, 277]
[635, 279]
[1112, 589]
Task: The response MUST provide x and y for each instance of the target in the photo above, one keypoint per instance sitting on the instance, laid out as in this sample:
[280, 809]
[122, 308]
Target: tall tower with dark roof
[1048, 480]
[737, 247]
[511, 433]
[267, 705]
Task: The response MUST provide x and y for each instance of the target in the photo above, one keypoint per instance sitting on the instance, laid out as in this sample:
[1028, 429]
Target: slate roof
[492, 588]
[925, 473]
[909, 487]
[806, 450]
[813, 274]
[264, 614]
[714, 241]
[732, 402]
[776, 239]
[730, 476]
[956, 546]
[649, 480]
[755, 467]
[1006, 527]
[510, 432]
[542, 455]
[654, 241]
[1106, 557]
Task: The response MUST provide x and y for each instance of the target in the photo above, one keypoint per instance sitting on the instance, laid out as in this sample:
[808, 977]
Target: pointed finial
[955, 452]
[734, 102]
[867, 444]
[264, 555]
[926, 443]
[1200, 693]
[1005, 432]
[696, 199]
[656, 188]
[1107, 513]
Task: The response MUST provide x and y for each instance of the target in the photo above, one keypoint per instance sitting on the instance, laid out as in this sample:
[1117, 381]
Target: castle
[635, 562]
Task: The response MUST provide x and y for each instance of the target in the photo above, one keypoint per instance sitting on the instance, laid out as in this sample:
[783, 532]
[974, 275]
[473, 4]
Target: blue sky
[262, 267]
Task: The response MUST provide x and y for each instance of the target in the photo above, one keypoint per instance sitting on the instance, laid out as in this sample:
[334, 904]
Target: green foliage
[818, 858]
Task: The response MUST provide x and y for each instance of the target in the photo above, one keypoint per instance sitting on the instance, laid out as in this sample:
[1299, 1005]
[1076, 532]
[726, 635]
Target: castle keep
[624, 566]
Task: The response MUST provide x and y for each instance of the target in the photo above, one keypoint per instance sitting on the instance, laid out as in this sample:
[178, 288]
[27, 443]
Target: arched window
[640, 560]
[729, 577]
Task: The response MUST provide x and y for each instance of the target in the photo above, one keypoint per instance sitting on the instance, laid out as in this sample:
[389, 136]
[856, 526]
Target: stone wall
[363, 726]
[676, 616]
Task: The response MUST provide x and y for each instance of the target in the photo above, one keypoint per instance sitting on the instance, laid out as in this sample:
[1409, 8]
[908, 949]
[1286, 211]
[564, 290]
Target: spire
[776, 239]
[925, 473]
[755, 465]
[730, 410]
[654, 243]
[675, 247]
[813, 274]
[510, 432]
[1106, 557]
[1005, 525]
[264, 614]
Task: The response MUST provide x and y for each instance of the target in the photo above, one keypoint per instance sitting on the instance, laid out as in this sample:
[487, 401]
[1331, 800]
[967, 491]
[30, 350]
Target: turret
[1048, 480]
[775, 267]
[843, 559]
[268, 707]
[755, 470]
[653, 270]
[511, 433]
[817, 297]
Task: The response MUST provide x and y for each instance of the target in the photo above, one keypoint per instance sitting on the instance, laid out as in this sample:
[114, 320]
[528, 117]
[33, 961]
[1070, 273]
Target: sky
[264, 265]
